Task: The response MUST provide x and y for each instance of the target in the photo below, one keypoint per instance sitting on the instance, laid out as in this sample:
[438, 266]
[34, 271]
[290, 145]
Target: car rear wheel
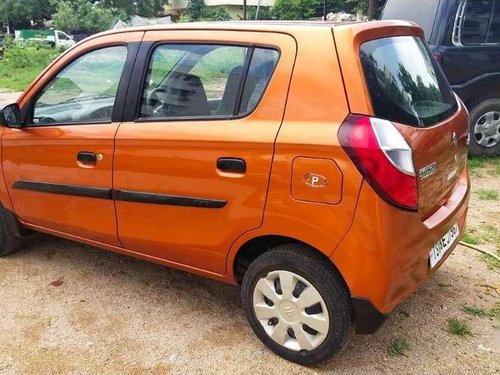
[9, 241]
[485, 129]
[297, 304]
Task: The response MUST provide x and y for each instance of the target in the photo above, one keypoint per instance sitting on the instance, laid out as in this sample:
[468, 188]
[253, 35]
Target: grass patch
[490, 261]
[470, 238]
[487, 194]
[458, 327]
[476, 311]
[495, 310]
[477, 165]
[490, 233]
[481, 234]
[23, 62]
[443, 285]
[397, 347]
[486, 233]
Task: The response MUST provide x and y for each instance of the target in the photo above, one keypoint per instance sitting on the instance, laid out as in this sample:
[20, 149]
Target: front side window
[476, 21]
[84, 91]
[205, 80]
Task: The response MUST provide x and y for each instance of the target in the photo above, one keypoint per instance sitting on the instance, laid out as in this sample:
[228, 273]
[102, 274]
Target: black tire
[9, 241]
[323, 276]
[475, 149]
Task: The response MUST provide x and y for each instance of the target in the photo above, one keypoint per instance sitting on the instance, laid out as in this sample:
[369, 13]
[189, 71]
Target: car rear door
[58, 167]
[191, 171]
[403, 83]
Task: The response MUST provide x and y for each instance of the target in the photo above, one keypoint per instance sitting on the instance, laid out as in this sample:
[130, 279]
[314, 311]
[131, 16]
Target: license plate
[443, 245]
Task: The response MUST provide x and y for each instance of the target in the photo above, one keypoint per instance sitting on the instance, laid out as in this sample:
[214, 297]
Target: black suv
[464, 36]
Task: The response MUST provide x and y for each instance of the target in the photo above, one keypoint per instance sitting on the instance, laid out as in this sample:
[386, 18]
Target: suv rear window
[405, 83]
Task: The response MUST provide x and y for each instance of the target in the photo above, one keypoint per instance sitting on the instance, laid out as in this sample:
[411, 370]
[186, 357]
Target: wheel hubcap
[291, 310]
[487, 129]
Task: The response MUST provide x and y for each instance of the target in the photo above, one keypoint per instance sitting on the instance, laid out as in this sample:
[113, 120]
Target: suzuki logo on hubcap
[288, 310]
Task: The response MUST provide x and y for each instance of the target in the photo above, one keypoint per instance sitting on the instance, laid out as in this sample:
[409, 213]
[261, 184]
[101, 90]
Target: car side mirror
[10, 116]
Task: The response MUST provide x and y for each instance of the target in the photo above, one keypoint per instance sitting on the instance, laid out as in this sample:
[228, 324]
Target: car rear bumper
[385, 255]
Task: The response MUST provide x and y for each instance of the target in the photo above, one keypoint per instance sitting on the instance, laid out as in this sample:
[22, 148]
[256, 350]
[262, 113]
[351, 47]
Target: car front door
[58, 167]
[193, 159]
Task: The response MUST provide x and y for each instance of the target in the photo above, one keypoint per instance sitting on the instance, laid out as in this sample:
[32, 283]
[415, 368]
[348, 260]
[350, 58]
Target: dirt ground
[68, 308]
[8, 97]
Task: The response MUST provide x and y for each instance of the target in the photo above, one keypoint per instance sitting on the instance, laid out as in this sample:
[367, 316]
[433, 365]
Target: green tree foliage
[128, 8]
[20, 13]
[198, 11]
[305, 9]
[81, 16]
[265, 13]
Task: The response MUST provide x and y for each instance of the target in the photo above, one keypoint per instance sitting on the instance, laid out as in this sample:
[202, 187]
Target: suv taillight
[383, 157]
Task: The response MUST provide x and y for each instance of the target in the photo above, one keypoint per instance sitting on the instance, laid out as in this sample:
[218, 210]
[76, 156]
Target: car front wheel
[297, 304]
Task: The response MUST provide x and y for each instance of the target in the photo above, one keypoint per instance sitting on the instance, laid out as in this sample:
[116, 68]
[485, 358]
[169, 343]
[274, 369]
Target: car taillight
[383, 157]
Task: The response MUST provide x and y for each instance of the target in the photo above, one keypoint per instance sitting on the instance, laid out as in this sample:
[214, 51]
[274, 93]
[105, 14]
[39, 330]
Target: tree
[81, 16]
[305, 9]
[265, 13]
[21, 13]
[370, 8]
[128, 8]
[198, 11]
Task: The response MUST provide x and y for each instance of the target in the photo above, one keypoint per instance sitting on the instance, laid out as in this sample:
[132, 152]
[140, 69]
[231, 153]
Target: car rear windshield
[405, 83]
[422, 14]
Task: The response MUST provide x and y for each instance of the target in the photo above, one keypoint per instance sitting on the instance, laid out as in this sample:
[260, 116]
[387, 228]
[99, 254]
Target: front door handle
[86, 157]
[232, 165]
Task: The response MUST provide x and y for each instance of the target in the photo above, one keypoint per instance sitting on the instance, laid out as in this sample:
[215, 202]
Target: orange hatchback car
[322, 167]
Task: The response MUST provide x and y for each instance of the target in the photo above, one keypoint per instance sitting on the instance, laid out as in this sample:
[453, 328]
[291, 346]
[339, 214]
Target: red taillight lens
[383, 157]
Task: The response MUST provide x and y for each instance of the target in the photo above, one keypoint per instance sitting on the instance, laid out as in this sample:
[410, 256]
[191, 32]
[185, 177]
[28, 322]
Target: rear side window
[405, 83]
[205, 80]
[476, 21]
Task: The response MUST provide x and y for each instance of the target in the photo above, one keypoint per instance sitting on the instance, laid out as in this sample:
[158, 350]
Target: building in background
[175, 8]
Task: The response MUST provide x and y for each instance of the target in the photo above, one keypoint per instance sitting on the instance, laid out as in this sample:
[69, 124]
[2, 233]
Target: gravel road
[68, 308]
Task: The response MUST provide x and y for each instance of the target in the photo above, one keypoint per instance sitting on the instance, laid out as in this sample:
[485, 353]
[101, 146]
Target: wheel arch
[254, 247]
[479, 89]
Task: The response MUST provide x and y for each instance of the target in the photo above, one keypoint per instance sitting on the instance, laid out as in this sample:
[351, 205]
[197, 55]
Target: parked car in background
[55, 38]
[329, 183]
[464, 37]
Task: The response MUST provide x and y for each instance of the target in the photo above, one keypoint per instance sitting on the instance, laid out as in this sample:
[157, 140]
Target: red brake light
[383, 157]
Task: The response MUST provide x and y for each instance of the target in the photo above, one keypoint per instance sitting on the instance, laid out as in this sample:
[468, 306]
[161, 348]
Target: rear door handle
[86, 157]
[232, 165]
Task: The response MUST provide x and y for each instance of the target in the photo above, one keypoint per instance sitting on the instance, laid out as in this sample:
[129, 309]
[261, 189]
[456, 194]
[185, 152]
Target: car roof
[275, 26]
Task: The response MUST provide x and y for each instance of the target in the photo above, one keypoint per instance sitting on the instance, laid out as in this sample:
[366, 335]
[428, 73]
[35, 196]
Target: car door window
[84, 91]
[494, 33]
[259, 74]
[477, 19]
[197, 80]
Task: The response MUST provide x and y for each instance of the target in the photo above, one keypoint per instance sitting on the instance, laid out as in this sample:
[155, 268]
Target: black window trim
[121, 92]
[458, 24]
[144, 56]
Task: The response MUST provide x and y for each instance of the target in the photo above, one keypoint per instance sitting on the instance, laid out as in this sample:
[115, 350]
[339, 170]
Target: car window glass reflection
[84, 91]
